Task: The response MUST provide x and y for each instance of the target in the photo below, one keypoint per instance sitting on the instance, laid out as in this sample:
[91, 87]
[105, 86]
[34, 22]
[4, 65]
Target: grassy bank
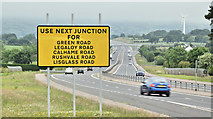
[159, 70]
[23, 96]
[124, 39]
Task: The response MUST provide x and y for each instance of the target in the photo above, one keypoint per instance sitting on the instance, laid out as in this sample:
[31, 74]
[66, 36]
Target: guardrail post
[192, 86]
[198, 87]
[180, 84]
[204, 86]
[175, 84]
[186, 85]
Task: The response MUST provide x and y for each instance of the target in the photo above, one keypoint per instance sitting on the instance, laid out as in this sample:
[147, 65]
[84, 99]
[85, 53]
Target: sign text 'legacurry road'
[73, 45]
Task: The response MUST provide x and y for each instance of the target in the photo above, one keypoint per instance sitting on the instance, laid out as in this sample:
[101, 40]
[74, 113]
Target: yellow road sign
[73, 46]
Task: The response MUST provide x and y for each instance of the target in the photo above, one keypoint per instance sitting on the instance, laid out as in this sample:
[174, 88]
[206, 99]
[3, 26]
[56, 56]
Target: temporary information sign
[73, 46]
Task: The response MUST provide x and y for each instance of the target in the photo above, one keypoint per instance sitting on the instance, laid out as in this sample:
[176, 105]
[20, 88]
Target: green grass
[9, 47]
[125, 40]
[23, 96]
[159, 70]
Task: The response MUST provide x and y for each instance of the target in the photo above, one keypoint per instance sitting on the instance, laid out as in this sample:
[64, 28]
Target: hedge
[27, 67]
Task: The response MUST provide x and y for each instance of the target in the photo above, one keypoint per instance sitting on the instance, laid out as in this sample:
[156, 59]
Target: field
[159, 70]
[23, 96]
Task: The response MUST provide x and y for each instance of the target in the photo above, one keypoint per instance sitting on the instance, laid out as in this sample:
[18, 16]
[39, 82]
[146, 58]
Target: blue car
[155, 86]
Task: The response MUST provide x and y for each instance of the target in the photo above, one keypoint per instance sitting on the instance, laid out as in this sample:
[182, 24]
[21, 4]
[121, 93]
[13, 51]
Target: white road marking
[107, 85]
[116, 87]
[119, 65]
[181, 104]
[129, 89]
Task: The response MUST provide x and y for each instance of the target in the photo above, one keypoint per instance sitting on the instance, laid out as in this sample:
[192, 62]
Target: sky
[129, 17]
[111, 11]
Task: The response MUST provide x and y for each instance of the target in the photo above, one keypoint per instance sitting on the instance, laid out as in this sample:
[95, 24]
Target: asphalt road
[177, 105]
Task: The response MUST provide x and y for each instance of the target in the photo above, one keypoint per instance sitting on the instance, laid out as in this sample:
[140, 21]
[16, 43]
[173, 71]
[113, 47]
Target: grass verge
[125, 40]
[159, 70]
[23, 96]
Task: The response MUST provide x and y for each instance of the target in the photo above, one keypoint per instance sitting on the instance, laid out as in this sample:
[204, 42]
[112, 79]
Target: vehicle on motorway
[130, 57]
[155, 85]
[89, 69]
[68, 71]
[140, 73]
[110, 56]
[128, 51]
[130, 63]
[80, 71]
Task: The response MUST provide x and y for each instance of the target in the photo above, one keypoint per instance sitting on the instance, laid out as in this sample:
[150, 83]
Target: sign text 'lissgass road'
[73, 45]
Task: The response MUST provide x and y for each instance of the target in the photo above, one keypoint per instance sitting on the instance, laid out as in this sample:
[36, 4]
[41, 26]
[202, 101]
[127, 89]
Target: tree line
[178, 57]
[11, 39]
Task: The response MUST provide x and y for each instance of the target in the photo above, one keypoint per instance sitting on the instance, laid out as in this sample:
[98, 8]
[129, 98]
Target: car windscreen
[140, 71]
[159, 80]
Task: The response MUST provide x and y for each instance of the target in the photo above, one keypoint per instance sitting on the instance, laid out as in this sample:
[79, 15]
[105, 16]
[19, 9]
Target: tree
[201, 32]
[209, 16]
[8, 37]
[143, 50]
[175, 55]
[173, 36]
[122, 35]
[194, 53]
[153, 39]
[200, 38]
[150, 56]
[159, 60]
[114, 36]
[184, 64]
[205, 60]
[30, 38]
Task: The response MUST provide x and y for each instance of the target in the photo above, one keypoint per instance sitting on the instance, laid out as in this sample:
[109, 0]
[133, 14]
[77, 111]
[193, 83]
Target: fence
[185, 71]
[206, 87]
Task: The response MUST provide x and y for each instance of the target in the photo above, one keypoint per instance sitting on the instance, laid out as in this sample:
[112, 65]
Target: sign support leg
[74, 114]
[100, 92]
[48, 90]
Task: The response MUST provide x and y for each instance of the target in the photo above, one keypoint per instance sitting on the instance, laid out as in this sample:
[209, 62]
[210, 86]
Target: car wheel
[147, 92]
[141, 91]
[167, 94]
[161, 94]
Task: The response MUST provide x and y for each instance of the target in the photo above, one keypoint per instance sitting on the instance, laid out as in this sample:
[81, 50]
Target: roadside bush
[184, 64]
[26, 67]
[159, 60]
[210, 70]
[165, 64]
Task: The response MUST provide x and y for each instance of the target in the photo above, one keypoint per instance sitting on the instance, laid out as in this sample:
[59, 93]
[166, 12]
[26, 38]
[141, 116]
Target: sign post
[74, 114]
[48, 79]
[100, 90]
[196, 75]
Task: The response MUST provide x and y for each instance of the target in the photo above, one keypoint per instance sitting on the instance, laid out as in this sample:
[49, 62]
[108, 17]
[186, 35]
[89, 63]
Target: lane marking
[181, 104]
[116, 87]
[113, 81]
[119, 65]
[129, 89]
[92, 75]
